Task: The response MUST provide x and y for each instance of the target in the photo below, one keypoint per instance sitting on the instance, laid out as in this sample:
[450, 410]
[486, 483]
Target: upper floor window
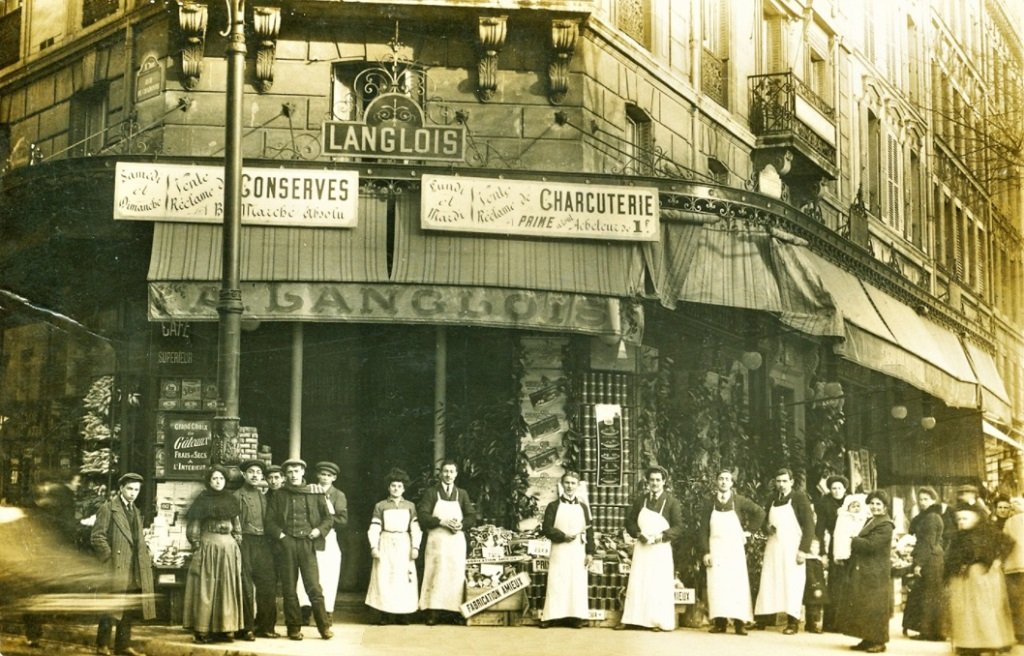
[640, 136]
[87, 129]
[714, 70]
[96, 10]
[773, 44]
[873, 173]
[10, 32]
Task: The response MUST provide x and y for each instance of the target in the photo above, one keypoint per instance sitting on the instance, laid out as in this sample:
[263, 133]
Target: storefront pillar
[295, 417]
[440, 390]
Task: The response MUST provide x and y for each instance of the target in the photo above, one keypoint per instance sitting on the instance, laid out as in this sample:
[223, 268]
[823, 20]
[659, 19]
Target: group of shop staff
[967, 567]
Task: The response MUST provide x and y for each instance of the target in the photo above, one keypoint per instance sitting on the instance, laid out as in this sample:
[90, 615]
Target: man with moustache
[445, 512]
[259, 584]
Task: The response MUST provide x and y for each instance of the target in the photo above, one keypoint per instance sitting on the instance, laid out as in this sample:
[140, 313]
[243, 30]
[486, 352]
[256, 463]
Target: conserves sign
[539, 208]
[195, 194]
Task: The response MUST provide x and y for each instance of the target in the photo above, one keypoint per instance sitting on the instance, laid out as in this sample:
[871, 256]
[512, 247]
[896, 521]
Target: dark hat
[837, 478]
[967, 507]
[967, 489]
[272, 469]
[327, 467]
[293, 461]
[244, 467]
[130, 477]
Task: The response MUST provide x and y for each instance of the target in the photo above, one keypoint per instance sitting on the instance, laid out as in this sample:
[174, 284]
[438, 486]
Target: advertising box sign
[539, 208]
[188, 440]
[296, 198]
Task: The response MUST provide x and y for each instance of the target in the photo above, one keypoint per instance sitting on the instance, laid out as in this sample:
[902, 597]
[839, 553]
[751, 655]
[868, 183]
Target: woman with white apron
[567, 524]
[444, 570]
[783, 574]
[328, 561]
[727, 522]
[394, 544]
[654, 521]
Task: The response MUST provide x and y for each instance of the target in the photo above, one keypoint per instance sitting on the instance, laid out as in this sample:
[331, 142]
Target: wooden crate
[489, 618]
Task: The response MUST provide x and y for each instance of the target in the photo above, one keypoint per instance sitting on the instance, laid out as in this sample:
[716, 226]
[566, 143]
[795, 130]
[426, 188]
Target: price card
[596, 566]
[596, 614]
[623, 568]
[539, 547]
[540, 565]
[493, 552]
[687, 596]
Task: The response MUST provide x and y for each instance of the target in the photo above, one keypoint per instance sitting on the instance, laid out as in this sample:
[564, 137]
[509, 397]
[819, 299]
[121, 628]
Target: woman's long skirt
[213, 590]
[925, 603]
[979, 612]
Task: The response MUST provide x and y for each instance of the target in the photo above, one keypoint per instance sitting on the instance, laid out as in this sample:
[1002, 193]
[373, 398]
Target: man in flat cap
[117, 539]
[259, 580]
[275, 480]
[299, 519]
[328, 560]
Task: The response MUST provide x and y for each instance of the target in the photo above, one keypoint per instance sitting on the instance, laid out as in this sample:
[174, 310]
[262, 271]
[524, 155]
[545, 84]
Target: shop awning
[887, 336]
[573, 266]
[192, 251]
[993, 431]
[995, 401]
[741, 265]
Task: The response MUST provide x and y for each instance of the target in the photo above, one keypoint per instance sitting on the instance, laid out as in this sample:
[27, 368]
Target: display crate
[490, 618]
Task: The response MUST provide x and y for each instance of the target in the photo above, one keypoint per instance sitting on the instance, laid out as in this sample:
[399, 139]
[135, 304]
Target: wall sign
[195, 194]
[149, 81]
[187, 442]
[609, 443]
[539, 209]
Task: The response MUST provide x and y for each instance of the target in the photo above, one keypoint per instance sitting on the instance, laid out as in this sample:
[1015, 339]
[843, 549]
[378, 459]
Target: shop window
[355, 84]
[640, 136]
[87, 129]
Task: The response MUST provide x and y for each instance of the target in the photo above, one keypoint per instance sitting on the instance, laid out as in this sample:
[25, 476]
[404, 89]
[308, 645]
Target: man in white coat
[790, 528]
[445, 513]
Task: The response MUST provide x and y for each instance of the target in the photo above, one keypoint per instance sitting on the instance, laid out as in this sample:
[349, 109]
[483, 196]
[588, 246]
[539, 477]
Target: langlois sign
[384, 303]
[195, 194]
[539, 209]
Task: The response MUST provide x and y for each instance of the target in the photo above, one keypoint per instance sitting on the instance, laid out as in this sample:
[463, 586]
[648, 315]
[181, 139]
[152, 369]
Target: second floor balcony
[786, 113]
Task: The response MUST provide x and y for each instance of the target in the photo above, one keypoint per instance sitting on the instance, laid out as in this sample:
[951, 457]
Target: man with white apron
[445, 512]
[726, 523]
[790, 531]
[567, 523]
[654, 520]
[328, 561]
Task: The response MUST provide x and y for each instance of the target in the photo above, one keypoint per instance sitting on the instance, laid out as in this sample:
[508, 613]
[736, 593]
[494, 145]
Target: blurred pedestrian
[790, 528]
[924, 608]
[328, 560]
[395, 537]
[116, 538]
[655, 521]
[1002, 511]
[727, 522]
[1013, 566]
[979, 610]
[867, 600]
[213, 588]
[259, 580]
[445, 512]
[569, 526]
[299, 519]
[826, 511]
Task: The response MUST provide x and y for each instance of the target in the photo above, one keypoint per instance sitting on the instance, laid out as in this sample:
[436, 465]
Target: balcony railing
[714, 78]
[773, 111]
[10, 37]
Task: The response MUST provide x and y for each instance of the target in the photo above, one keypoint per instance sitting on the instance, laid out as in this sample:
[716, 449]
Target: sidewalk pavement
[420, 640]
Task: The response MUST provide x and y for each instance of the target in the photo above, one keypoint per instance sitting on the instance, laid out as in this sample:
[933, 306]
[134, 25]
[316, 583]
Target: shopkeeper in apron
[395, 537]
[328, 561]
[567, 523]
[655, 519]
[790, 528]
[727, 521]
[445, 512]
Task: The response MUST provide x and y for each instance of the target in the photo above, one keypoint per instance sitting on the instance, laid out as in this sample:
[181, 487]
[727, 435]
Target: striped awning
[994, 398]
[744, 266]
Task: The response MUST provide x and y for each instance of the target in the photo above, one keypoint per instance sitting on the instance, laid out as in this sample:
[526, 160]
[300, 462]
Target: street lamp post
[229, 302]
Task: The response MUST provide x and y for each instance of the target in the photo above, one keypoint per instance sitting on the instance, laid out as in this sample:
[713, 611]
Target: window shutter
[894, 170]
[776, 45]
[723, 29]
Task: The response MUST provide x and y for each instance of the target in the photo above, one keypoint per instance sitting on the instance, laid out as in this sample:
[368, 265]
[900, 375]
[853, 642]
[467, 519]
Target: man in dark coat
[117, 540]
[727, 520]
[259, 582]
[299, 520]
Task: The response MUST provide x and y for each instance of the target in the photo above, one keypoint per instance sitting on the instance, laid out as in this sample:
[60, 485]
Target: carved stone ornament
[564, 34]
[491, 33]
[192, 18]
[267, 25]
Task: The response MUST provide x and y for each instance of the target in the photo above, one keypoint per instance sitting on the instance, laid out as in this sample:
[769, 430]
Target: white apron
[444, 565]
[328, 562]
[782, 580]
[650, 595]
[567, 571]
[393, 582]
[728, 585]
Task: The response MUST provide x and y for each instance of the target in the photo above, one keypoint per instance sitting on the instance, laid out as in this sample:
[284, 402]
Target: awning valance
[744, 266]
[994, 398]
[192, 251]
[993, 431]
[573, 266]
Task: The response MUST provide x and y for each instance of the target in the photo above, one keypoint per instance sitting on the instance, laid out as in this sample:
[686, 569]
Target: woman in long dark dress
[979, 611]
[213, 590]
[923, 612]
[867, 602]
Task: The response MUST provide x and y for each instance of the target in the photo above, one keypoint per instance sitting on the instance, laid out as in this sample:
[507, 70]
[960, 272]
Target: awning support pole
[440, 391]
[295, 417]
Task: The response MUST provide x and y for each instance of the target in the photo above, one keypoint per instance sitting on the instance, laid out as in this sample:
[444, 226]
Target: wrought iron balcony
[714, 78]
[786, 112]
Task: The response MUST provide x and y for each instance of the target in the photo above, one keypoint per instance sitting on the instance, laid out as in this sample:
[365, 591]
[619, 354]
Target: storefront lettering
[294, 301]
[330, 300]
[174, 357]
[421, 142]
[417, 302]
[175, 329]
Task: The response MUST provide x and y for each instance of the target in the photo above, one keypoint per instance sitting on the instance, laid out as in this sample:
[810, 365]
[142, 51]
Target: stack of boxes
[170, 524]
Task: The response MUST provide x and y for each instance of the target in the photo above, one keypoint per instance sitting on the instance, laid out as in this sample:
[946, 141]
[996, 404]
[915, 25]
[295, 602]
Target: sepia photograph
[511, 327]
